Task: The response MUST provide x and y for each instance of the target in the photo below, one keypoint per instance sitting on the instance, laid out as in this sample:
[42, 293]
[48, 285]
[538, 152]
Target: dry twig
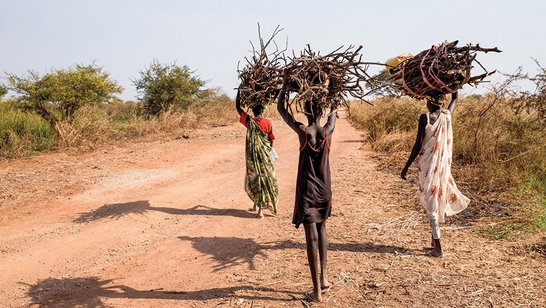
[327, 80]
[261, 78]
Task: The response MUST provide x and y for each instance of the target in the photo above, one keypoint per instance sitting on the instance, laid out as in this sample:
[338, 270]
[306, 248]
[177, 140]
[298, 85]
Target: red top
[263, 123]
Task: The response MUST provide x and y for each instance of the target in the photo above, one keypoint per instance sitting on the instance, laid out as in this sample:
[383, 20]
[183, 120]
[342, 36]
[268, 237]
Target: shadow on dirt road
[118, 210]
[92, 291]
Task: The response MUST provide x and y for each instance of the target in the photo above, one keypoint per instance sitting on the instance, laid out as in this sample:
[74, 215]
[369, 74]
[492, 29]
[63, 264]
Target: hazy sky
[124, 36]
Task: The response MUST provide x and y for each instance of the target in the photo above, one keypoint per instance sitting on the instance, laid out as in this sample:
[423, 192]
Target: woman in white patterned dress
[434, 143]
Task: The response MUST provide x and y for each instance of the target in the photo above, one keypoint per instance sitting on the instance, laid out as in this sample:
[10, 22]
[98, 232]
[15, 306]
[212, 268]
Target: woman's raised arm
[331, 123]
[287, 117]
[453, 103]
[238, 103]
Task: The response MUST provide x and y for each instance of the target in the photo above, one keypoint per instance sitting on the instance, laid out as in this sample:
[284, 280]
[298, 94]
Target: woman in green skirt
[260, 180]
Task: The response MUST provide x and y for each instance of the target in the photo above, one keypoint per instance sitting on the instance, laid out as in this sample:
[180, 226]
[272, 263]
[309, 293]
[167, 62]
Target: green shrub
[162, 87]
[23, 133]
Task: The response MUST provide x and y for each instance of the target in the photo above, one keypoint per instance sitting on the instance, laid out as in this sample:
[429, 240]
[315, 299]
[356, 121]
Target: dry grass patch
[498, 156]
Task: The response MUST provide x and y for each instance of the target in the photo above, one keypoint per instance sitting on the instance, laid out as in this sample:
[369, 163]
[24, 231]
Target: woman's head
[258, 110]
[433, 100]
[312, 110]
[432, 106]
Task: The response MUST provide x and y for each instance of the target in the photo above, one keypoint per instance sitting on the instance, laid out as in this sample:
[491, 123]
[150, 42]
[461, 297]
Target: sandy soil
[165, 223]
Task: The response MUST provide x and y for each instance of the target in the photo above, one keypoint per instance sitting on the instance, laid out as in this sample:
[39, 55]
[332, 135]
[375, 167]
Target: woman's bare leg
[311, 239]
[323, 252]
[435, 228]
[437, 251]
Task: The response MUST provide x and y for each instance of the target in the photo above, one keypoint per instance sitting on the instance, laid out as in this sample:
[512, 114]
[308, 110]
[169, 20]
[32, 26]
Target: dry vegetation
[23, 134]
[498, 155]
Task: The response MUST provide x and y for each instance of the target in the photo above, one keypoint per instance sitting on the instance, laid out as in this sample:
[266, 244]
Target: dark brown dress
[314, 185]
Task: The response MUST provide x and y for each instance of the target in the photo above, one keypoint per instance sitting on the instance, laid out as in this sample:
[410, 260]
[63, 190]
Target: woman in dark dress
[313, 186]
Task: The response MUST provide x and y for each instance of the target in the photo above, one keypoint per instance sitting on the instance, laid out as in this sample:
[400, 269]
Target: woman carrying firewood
[439, 194]
[313, 186]
[260, 180]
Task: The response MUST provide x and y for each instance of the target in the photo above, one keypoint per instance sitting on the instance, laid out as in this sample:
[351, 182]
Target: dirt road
[165, 223]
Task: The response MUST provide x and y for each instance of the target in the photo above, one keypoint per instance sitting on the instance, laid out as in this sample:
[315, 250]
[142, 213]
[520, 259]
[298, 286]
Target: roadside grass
[499, 153]
[23, 134]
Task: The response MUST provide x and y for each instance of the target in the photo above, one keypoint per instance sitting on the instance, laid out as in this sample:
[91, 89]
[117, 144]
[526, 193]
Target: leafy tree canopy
[56, 96]
[162, 86]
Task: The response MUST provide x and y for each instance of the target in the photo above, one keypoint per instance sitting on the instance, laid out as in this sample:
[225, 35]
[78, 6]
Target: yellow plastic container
[395, 61]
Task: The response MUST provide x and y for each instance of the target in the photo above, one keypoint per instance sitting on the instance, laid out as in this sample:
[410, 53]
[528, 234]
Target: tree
[163, 86]
[383, 86]
[56, 96]
[532, 102]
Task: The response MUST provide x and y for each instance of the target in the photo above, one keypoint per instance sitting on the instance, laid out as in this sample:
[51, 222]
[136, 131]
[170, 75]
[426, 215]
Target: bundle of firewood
[444, 68]
[261, 78]
[327, 80]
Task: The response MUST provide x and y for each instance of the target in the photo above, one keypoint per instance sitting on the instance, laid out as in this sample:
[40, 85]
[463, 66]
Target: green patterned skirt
[260, 180]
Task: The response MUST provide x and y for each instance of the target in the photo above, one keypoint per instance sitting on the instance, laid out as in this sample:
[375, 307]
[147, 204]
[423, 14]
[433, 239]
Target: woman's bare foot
[253, 209]
[437, 251]
[260, 213]
[325, 285]
[314, 296]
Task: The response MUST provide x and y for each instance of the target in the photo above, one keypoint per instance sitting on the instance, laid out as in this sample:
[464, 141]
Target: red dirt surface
[165, 223]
